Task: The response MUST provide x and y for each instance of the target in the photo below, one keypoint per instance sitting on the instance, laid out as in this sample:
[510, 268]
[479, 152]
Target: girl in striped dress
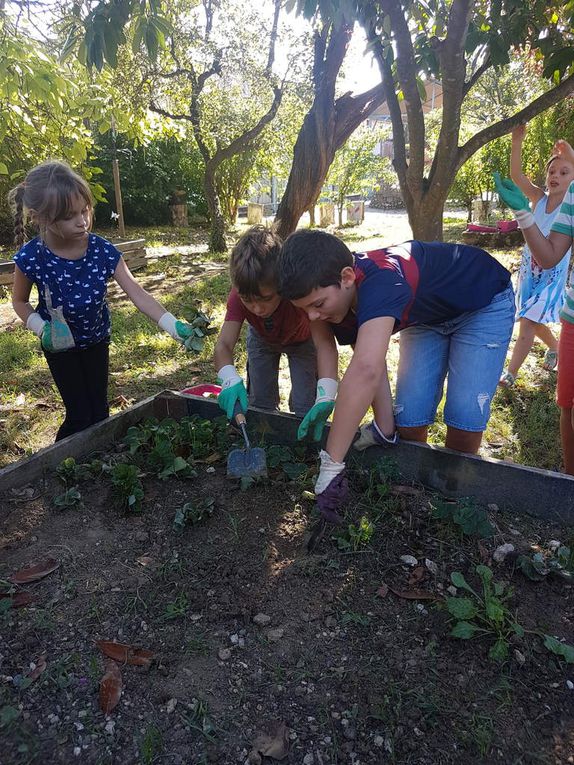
[540, 292]
[549, 251]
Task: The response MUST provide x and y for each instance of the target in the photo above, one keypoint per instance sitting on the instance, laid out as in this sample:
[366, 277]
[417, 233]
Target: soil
[248, 631]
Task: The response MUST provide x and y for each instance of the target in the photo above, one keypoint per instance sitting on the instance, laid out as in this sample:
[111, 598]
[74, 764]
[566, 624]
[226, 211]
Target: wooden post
[119, 203]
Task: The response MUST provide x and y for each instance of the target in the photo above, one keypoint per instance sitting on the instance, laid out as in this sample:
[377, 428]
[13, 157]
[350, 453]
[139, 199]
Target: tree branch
[498, 129]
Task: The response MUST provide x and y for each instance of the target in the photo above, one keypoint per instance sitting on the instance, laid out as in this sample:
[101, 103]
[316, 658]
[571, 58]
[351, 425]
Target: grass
[143, 360]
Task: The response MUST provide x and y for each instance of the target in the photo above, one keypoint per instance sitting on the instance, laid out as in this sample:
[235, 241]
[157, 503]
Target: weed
[198, 719]
[375, 482]
[172, 567]
[197, 645]
[193, 512]
[67, 471]
[176, 608]
[352, 617]
[465, 514]
[288, 461]
[357, 536]
[483, 615]
[234, 523]
[558, 561]
[70, 498]
[128, 488]
[150, 745]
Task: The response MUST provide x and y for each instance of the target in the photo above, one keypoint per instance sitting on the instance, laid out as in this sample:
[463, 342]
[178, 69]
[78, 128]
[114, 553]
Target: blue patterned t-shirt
[79, 286]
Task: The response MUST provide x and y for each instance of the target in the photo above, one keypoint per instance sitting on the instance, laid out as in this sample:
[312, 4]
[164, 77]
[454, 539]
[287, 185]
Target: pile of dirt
[262, 652]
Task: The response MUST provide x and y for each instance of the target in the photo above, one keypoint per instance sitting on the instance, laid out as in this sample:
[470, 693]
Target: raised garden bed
[343, 656]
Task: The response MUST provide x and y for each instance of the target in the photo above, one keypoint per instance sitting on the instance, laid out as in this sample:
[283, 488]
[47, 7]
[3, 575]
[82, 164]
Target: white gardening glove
[328, 470]
[35, 323]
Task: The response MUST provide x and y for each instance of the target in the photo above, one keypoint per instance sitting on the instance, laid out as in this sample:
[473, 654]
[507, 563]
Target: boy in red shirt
[276, 326]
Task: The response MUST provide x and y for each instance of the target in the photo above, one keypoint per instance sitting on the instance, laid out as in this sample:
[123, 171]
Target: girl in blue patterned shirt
[71, 268]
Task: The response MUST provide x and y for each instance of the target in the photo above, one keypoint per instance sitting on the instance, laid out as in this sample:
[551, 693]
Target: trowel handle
[238, 414]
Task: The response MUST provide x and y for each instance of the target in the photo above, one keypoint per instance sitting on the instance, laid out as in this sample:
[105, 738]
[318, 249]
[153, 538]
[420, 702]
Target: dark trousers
[81, 376]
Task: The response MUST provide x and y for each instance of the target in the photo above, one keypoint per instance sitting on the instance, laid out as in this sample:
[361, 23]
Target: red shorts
[565, 387]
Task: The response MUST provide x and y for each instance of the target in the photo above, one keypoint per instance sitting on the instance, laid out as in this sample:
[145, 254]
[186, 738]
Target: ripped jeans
[469, 352]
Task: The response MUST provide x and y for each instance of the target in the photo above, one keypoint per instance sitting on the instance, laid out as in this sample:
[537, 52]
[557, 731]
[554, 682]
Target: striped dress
[564, 224]
[540, 292]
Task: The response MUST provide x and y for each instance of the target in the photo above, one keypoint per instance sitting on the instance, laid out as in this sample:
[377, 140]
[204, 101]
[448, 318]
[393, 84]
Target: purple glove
[333, 497]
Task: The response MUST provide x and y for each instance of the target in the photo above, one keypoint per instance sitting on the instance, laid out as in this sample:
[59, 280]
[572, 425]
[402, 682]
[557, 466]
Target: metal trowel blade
[247, 462]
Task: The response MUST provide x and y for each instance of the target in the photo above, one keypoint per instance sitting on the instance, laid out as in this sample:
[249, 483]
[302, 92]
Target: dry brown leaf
[19, 599]
[145, 560]
[414, 594]
[35, 572]
[215, 457]
[383, 590]
[418, 574]
[110, 687]
[484, 554]
[406, 491]
[273, 741]
[40, 663]
[126, 654]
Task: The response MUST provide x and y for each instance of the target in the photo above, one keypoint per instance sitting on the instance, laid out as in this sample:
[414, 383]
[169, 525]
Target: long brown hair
[46, 195]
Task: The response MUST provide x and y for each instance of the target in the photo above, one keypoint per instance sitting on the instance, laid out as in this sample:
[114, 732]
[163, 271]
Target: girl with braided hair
[71, 268]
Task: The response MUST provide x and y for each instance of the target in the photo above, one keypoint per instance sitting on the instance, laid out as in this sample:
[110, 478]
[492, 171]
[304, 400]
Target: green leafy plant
[288, 460]
[471, 519]
[542, 563]
[483, 615]
[374, 483]
[199, 330]
[68, 471]
[356, 536]
[151, 745]
[560, 649]
[70, 498]
[176, 608]
[128, 488]
[192, 513]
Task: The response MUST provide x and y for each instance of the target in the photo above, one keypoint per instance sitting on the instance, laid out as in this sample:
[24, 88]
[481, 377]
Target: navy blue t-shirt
[79, 286]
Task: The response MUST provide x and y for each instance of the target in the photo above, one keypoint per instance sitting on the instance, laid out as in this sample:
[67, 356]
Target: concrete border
[540, 493]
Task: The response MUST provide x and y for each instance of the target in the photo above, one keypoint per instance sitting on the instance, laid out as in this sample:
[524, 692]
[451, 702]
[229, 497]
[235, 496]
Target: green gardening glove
[232, 390]
[46, 338]
[315, 420]
[230, 396]
[510, 194]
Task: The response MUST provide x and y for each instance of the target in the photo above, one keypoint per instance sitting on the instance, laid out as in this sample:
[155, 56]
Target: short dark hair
[253, 261]
[311, 259]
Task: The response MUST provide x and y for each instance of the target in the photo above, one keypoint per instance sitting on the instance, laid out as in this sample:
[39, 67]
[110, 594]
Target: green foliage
[559, 649]
[484, 614]
[540, 564]
[70, 498]
[286, 459]
[151, 745]
[356, 536]
[176, 608]
[356, 168]
[67, 471]
[471, 519]
[128, 488]
[149, 175]
[193, 513]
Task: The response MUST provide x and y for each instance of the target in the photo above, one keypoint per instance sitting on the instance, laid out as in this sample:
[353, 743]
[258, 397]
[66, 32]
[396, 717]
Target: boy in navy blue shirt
[454, 307]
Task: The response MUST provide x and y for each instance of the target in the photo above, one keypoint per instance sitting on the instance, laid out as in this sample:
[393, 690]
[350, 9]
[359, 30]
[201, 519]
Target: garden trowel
[250, 461]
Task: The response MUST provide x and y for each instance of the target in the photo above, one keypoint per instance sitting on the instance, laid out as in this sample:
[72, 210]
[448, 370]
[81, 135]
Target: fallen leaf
[145, 560]
[417, 575]
[483, 552]
[273, 741]
[40, 666]
[414, 594]
[35, 572]
[19, 599]
[383, 591]
[110, 687]
[406, 491]
[126, 654]
[215, 457]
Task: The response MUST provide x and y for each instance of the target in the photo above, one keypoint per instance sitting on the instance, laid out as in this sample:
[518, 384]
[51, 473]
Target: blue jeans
[469, 351]
[263, 374]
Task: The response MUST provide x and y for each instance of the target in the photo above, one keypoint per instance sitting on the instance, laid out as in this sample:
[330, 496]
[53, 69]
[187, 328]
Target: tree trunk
[340, 208]
[312, 215]
[425, 217]
[217, 241]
